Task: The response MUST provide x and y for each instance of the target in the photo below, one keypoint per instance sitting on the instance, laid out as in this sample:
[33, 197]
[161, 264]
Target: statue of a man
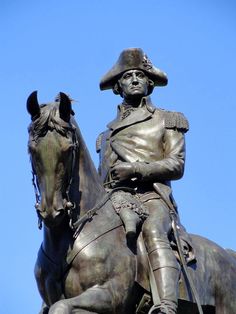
[144, 148]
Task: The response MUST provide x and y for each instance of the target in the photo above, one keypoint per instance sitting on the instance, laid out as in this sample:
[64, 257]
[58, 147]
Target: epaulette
[99, 142]
[176, 120]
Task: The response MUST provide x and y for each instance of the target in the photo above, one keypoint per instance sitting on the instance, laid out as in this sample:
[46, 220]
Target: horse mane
[48, 120]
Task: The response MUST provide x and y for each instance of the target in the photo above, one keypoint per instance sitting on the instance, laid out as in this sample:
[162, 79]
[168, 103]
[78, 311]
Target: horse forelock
[48, 120]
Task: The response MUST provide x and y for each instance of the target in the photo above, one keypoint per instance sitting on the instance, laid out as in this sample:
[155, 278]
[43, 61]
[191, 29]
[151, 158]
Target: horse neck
[57, 241]
[87, 187]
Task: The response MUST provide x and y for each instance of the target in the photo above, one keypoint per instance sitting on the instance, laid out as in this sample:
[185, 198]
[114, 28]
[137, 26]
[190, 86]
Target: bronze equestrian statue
[144, 148]
[86, 265]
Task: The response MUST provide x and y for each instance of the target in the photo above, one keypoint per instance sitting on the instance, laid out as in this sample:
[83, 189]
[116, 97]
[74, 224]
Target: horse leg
[97, 299]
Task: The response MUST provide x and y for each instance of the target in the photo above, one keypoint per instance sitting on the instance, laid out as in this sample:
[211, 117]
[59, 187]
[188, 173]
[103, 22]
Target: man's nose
[134, 79]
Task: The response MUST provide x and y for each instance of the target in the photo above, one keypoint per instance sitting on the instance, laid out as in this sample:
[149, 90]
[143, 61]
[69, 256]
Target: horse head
[52, 147]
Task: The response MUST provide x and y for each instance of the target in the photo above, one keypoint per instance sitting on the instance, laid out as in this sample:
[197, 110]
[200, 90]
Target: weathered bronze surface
[90, 260]
[144, 148]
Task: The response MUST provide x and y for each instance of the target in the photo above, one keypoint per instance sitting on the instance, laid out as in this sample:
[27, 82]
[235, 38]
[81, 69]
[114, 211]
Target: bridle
[70, 205]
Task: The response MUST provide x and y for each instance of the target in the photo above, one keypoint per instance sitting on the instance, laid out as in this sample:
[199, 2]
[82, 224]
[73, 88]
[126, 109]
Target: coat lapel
[138, 115]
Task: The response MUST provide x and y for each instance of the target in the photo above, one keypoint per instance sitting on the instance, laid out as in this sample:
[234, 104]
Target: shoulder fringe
[176, 120]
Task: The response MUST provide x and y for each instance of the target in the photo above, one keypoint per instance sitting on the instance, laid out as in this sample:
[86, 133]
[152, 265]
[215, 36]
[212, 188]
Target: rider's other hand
[123, 171]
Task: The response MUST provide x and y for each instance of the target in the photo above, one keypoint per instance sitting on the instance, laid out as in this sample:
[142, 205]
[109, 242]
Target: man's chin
[136, 94]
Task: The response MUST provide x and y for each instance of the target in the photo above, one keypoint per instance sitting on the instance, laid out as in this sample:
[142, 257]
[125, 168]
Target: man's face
[134, 84]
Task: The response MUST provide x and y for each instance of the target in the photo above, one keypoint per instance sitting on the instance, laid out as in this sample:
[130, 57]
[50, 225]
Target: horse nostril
[58, 213]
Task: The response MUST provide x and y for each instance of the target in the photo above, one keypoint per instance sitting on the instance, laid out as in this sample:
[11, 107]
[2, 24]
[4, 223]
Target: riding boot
[166, 273]
[131, 221]
[167, 285]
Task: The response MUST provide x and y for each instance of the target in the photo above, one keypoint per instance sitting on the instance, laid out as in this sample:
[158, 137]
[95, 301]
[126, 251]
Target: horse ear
[65, 107]
[33, 105]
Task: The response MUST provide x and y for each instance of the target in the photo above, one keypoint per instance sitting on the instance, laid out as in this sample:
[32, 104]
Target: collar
[144, 103]
[143, 112]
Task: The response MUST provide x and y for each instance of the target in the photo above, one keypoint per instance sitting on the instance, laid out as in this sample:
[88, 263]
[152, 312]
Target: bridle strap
[37, 195]
[70, 205]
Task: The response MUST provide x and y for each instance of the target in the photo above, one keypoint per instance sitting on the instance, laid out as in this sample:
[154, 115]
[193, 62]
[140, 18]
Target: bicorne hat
[131, 59]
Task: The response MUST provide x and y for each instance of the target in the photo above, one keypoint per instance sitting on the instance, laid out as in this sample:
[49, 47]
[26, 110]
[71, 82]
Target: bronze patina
[144, 148]
[96, 251]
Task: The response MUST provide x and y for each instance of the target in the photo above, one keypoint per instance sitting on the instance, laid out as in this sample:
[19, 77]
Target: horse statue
[84, 264]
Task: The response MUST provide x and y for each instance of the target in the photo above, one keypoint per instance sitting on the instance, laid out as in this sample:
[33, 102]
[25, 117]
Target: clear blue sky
[67, 46]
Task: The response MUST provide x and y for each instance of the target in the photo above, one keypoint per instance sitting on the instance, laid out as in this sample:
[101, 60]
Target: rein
[71, 205]
[90, 213]
[37, 196]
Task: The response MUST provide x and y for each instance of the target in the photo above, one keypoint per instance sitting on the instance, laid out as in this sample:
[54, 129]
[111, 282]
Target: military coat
[151, 137]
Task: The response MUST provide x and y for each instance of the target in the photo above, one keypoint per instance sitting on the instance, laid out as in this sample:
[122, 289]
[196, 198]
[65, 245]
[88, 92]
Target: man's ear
[116, 89]
[151, 86]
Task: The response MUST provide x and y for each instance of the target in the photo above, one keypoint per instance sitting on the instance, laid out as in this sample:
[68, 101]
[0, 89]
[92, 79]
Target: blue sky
[53, 46]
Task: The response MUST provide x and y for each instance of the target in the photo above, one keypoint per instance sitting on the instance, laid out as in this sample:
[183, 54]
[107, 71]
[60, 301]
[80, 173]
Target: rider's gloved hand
[123, 171]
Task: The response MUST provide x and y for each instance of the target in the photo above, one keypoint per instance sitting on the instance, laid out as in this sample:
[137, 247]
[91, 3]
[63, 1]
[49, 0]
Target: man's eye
[141, 75]
[126, 76]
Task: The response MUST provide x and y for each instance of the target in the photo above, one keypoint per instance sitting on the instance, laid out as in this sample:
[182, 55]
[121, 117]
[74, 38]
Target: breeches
[156, 230]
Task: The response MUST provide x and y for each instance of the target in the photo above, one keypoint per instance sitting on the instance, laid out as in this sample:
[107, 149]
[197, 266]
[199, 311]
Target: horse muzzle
[51, 216]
